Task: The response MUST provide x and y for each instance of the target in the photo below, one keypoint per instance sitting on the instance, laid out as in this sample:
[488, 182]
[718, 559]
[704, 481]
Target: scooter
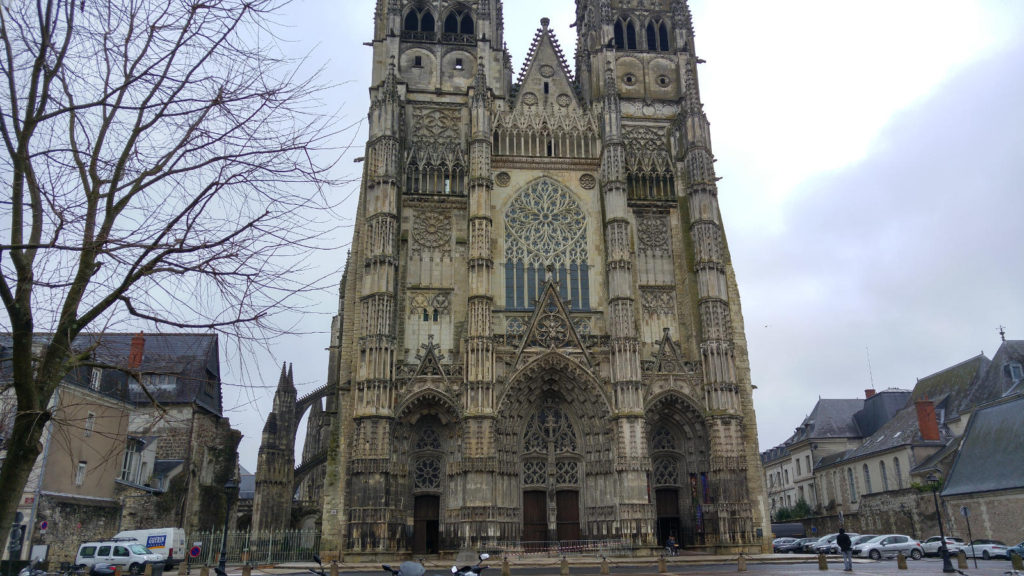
[474, 570]
[407, 568]
[32, 570]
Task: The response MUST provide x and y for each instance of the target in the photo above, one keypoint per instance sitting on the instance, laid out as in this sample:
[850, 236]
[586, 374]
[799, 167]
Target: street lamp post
[947, 565]
[222, 565]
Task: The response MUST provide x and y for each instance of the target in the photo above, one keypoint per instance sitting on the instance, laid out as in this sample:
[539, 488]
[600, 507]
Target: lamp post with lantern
[947, 565]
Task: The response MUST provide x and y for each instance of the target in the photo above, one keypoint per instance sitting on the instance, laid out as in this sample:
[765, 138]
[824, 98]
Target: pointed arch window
[630, 35]
[620, 35]
[418, 24]
[657, 35]
[459, 27]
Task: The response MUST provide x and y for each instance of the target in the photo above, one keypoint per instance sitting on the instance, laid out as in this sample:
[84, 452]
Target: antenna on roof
[871, 376]
[1002, 332]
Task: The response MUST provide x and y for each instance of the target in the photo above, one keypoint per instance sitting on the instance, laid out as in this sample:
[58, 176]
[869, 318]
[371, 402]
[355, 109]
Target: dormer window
[1016, 371]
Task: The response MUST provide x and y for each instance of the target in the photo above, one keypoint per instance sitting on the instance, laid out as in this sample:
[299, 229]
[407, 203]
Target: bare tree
[161, 161]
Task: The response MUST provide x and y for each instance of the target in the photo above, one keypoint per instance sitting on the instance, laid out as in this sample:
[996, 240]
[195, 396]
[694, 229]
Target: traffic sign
[43, 526]
[194, 552]
[963, 510]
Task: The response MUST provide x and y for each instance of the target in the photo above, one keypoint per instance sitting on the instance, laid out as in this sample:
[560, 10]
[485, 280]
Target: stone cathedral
[539, 335]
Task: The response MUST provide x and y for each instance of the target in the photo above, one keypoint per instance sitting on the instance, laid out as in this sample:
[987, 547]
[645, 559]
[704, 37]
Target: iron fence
[255, 548]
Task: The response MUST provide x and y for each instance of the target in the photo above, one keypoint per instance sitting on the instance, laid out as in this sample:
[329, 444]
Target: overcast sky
[872, 156]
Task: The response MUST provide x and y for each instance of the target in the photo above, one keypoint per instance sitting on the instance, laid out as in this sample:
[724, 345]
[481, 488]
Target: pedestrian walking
[843, 541]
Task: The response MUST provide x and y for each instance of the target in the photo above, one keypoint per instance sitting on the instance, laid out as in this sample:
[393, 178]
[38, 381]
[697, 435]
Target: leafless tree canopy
[161, 162]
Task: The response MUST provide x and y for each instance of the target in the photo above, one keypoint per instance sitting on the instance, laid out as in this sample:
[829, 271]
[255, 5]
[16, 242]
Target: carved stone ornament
[653, 232]
[530, 99]
[564, 100]
[547, 71]
[431, 230]
[436, 125]
[588, 181]
[659, 301]
[502, 179]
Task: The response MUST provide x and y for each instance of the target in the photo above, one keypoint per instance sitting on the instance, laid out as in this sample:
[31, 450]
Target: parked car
[833, 546]
[984, 548]
[128, 554]
[887, 546]
[861, 539]
[825, 543]
[781, 542]
[931, 546]
[795, 547]
[812, 546]
[1018, 550]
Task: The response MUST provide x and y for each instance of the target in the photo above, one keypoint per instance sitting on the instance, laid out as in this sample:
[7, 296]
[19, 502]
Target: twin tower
[539, 337]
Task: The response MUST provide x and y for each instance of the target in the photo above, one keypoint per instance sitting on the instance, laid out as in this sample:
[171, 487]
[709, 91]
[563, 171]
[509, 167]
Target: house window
[132, 462]
[798, 470]
[885, 477]
[867, 480]
[787, 475]
[95, 378]
[159, 382]
[80, 473]
[899, 474]
[90, 423]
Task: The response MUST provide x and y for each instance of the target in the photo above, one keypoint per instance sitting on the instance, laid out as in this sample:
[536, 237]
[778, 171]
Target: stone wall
[72, 521]
[995, 515]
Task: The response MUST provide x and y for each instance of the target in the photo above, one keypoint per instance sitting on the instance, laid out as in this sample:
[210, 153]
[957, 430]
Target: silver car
[887, 546]
[933, 545]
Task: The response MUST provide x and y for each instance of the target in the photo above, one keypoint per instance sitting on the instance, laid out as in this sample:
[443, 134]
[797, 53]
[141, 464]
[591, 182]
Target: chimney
[869, 393]
[927, 423]
[138, 347]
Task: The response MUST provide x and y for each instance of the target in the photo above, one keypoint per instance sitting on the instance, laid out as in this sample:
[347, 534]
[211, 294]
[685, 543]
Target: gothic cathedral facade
[539, 334]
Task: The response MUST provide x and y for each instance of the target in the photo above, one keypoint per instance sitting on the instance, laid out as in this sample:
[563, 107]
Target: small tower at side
[275, 465]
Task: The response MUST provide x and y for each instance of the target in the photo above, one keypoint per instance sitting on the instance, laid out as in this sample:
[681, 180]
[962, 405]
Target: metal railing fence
[256, 548]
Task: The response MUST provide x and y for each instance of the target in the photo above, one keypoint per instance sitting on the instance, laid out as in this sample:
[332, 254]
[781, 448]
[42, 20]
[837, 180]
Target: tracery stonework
[538, 334]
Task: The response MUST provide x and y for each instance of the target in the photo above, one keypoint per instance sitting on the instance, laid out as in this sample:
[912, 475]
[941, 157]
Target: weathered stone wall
[995, 515]
[71, 522]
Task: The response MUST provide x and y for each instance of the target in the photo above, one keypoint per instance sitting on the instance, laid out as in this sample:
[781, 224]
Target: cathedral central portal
[539, 340]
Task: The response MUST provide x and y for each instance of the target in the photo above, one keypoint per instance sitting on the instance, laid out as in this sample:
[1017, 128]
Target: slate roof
[246, 484]
[992, 454]
[900, 430]
[193, 360]
[955, 389]
[831, 418]
[997, 380]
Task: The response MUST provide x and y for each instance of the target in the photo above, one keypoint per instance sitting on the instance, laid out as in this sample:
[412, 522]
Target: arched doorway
[550, 475]
[554, 429]
[679, 449]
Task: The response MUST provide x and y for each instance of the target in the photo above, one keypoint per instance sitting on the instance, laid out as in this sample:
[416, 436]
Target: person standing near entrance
[843, 541]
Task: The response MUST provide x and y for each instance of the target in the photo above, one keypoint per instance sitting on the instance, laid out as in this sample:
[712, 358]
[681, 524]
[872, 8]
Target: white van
[126, 553]
[170, 542]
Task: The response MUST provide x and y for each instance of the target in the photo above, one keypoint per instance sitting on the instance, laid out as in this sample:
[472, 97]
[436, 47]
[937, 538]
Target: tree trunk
[23, 448]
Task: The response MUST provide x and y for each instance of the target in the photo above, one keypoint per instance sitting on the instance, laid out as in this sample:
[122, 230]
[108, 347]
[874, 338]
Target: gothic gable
[550, 327]
[545, 80]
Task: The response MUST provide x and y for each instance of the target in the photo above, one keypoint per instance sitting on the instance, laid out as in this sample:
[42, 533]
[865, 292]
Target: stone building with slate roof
[164, 464]
[542, 337]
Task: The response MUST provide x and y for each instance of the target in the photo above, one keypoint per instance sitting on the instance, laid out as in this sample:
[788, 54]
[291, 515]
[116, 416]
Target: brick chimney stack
[869, 393]
[138, 348]
[927, 423]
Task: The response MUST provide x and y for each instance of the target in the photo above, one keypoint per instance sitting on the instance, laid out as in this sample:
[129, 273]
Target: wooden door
[426, 520]
[568, 504]
[667, 505]
[535, 518]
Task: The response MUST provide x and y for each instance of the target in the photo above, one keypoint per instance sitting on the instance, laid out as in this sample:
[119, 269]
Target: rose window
[428, 474]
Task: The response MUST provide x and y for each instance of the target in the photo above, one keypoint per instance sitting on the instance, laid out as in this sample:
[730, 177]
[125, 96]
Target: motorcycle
[474, 570]
[32, 569]
[319, 572]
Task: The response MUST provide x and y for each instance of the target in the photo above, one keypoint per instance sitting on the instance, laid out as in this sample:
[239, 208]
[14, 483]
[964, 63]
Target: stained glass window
[428, 474]
[545, 240]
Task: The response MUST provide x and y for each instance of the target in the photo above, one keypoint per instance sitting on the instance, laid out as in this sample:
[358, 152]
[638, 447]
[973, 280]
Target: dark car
[794, 547]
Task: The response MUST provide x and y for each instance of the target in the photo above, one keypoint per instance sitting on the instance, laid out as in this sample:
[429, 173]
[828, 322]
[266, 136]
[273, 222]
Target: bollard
[246, 570]
[333, 572]
[901, 561]
[505, 569]
[117, 571]
[148, 571]
[604, 565]
[204, 571]
[662, 567]
[741, 563]
[565, 566]
[961, 560]
[822, 562]
[183, 567]
[1015, 560]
